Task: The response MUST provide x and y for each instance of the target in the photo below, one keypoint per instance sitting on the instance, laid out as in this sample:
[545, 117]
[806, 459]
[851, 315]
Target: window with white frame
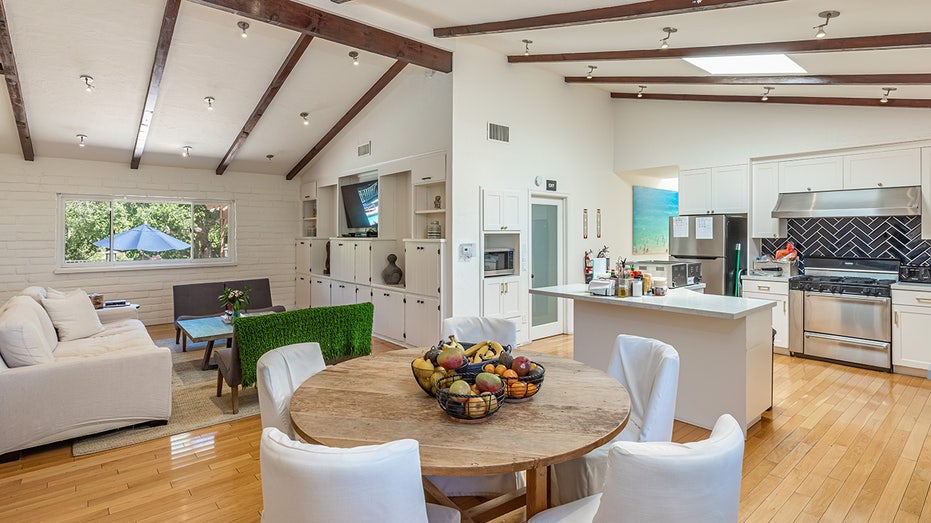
[112, 231]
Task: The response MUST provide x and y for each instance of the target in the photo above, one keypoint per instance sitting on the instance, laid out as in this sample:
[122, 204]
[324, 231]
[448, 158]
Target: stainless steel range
[841, 310]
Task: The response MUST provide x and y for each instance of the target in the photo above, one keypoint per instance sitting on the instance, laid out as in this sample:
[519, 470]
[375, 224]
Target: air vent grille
[499, 133]
[365, 149]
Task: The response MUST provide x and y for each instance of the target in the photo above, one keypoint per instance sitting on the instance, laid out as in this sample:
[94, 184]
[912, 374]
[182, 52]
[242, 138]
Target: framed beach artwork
[652, 209]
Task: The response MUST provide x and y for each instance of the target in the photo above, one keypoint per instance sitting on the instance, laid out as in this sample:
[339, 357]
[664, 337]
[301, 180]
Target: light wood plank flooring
[841, 444]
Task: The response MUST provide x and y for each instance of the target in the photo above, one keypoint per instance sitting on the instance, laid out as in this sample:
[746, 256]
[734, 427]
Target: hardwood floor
[841, 444]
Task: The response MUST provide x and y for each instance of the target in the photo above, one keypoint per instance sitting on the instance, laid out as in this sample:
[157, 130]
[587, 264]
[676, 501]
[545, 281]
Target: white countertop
[909, 286]
[680, 300]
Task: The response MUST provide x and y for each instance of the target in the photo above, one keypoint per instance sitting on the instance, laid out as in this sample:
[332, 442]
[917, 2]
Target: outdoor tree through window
[117, 231]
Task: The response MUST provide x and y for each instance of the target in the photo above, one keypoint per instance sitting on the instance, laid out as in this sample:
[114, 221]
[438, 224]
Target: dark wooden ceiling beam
[828, 45]
[802, 100]
[169, 18]
[321, 24]
[10, 72]
[277, 82]
[592, 16]
[369, 95]
[824, 79]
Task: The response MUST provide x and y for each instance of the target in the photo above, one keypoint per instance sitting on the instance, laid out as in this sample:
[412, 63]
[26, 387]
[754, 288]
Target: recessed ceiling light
[355, 57]
[242, 24]
[304, 116]
[747, 64]
[269, 157]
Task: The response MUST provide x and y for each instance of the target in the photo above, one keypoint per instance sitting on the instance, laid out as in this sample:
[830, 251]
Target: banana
[496, 347]
[476, 348]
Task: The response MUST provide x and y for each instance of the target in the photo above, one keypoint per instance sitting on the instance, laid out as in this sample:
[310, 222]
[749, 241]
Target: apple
[451, 357]
[521, 365]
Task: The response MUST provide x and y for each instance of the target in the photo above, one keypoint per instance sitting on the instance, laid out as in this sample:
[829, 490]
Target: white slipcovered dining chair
[309, 483]
[279, 372]
[671, 482]
[473, 329]
[649, 370]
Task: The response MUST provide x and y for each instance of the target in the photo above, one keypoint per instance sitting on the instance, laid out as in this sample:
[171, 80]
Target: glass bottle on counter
[623, 287]
[647, 282]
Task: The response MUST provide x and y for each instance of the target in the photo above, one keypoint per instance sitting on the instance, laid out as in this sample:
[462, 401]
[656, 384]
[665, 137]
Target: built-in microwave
[499, 261]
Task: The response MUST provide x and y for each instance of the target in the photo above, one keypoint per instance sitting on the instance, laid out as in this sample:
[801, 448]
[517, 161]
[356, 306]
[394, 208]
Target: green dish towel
[342, 330]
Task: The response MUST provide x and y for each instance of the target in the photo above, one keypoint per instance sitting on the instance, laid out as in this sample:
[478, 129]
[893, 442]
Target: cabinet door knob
[880, 184]
[809, 188]
[504, 227]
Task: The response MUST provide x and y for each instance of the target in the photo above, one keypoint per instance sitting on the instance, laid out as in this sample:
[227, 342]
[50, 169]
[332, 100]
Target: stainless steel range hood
[891, 201]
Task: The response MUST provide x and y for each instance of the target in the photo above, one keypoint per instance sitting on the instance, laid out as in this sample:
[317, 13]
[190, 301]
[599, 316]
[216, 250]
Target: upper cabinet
[867, 170]
[926, 193]
[765, 190]
[500, 210]
[900, 168]
[715, 190]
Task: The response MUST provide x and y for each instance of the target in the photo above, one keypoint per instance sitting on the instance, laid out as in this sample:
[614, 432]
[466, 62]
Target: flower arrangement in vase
[235, 300]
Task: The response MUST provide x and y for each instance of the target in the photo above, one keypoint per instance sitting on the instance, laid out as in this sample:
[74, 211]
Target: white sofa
[52, 390]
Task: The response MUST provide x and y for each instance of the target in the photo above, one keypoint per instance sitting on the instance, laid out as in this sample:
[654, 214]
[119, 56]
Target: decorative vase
[434, 231]
[236, 311]
[392, 273]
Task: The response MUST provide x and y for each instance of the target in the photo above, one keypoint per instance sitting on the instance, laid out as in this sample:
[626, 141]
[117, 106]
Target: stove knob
[869, 292]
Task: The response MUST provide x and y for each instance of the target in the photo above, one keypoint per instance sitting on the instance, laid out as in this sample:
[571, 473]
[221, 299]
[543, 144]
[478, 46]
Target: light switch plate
[466, 250]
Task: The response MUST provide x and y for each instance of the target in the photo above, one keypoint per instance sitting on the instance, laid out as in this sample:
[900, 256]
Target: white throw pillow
[36, 293]
[22, 341]
[73, 315]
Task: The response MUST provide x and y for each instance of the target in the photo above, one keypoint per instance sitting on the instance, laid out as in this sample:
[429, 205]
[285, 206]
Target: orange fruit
[499, 369]
[517, 389]
[531, 389]
[488, 368]
[509, 373]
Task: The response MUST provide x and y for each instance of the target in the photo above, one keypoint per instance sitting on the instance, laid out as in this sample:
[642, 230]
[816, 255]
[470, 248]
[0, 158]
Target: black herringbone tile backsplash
[896, 237]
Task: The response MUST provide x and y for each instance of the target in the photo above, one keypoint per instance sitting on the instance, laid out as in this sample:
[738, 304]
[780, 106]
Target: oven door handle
[879, 345]
[850, 297]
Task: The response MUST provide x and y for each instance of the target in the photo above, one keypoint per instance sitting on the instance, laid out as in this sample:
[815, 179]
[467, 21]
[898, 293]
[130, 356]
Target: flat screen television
[360, 200]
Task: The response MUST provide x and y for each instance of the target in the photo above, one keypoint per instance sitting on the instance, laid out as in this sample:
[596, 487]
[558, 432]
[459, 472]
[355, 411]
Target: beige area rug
[194, 404]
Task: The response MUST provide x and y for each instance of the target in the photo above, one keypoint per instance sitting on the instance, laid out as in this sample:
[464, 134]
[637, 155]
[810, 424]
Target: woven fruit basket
[468, 407]
[523, 388]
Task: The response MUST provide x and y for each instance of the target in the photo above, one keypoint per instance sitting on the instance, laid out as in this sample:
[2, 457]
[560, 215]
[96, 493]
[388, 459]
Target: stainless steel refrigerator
[714, 241]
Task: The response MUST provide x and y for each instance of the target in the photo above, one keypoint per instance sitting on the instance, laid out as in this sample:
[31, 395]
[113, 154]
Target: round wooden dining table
[376, 399]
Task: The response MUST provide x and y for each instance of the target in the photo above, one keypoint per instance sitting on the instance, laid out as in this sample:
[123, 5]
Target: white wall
[557, 131]
[650, 133]
[267, 222]
[411, 116]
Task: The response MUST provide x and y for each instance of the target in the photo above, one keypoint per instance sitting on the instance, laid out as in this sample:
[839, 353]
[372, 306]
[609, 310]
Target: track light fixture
[527, 46]
[355, 57]
[88, 82]
[827, 15]
[591, 69]
[186, 151]
[209, 101]
[304, 116]
[664, 43]
[766, 92]
[242, 24]
[269, 157]
[886, 91]
[640, 92]
[81, 138]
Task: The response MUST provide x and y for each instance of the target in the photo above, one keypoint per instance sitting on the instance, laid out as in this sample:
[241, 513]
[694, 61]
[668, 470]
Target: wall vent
[499, 133]
[364, 149]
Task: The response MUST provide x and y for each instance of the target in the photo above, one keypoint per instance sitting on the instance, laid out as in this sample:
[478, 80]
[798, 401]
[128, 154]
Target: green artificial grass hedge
[342, 330]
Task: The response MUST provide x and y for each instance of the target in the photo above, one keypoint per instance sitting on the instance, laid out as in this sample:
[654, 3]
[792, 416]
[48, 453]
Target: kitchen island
[724, 345]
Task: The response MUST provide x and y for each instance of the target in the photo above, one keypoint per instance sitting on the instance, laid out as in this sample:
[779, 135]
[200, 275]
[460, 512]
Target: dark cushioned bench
[200, 300]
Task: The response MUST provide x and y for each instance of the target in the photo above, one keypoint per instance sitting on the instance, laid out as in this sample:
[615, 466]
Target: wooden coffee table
[209, 330]
[375, 399]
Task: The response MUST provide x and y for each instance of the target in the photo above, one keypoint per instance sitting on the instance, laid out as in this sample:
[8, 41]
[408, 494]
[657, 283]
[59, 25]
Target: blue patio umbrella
[143, 238]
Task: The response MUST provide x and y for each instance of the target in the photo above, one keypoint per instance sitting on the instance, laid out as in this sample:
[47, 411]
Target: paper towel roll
[600, 267]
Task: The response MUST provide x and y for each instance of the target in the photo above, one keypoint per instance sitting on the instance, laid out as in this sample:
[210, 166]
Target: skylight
[747, 64]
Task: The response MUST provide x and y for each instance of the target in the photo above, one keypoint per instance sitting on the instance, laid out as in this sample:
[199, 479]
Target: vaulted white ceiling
[55, 42]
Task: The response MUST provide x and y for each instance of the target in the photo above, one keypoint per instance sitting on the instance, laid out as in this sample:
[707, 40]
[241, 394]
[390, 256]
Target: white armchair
[304, 483]
[279, 373]
[649, 370]
[671, 482]
[474, 329]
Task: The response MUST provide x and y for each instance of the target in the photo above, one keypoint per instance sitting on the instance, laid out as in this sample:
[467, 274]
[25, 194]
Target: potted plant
[235, 300]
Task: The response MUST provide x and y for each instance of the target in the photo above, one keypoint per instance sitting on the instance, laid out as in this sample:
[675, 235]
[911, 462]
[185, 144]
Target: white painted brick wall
[267, 220]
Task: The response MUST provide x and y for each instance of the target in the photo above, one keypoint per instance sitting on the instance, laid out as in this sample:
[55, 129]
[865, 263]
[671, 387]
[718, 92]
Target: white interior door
[547, 265]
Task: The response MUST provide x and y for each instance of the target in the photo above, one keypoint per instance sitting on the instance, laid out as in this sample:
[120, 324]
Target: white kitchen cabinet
[389, 314]
[811, 174]
[897, 168]
[926, 193]
[428, 169]
[362, 262]
[765, 192]
[777, 291]
[422, 318]
[715, 190]
[342, 293]
[342, 260]
[302, 291]
[320, 292]
[363, 294]
[501, 297]
[911, 329]
[309, 190]
[302, 256]
[424, 262]
[500, 210]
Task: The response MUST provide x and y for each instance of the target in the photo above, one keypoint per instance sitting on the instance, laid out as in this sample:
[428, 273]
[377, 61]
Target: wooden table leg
[208, 351]
[536, 491]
